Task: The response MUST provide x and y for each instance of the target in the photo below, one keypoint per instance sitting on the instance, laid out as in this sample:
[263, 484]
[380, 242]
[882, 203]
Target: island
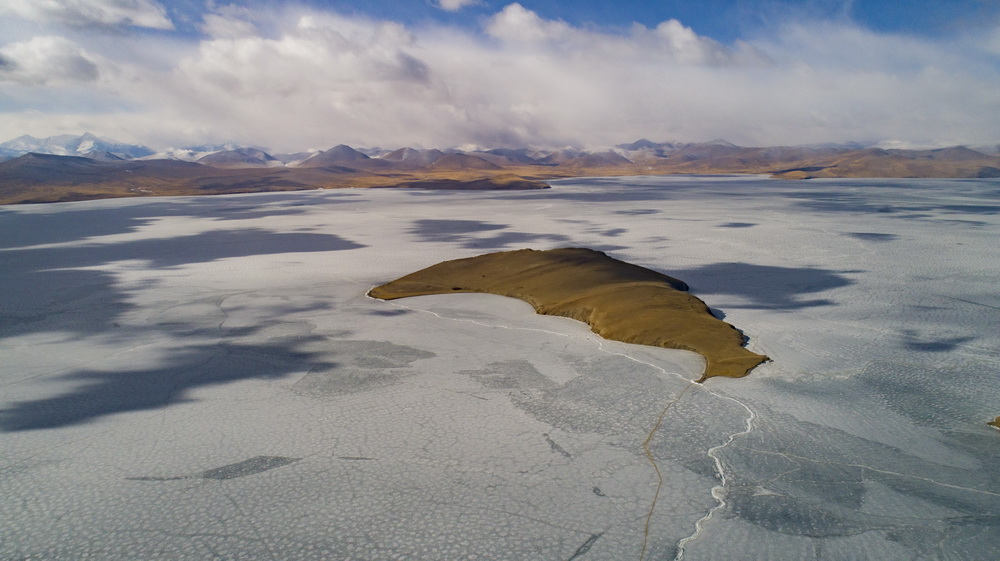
[619, 300]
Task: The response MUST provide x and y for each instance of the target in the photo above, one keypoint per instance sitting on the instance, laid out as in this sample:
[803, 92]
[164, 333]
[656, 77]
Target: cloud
[517, 24]
[230, 21]
[46, 60]
[455, 5]
[82, 13]
[293, 78]
[220, 26]
[520, 28]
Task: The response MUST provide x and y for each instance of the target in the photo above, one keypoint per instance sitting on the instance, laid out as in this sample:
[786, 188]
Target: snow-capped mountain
[227, 154]
[72, 145]
[188, 153]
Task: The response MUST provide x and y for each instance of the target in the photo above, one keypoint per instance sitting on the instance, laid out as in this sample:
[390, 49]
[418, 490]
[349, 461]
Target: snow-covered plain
[196, 378]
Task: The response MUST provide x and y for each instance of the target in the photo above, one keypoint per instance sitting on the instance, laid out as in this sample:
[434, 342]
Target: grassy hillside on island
[618, 300]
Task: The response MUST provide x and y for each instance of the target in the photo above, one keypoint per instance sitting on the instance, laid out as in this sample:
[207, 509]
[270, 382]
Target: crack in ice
[656, 468]
[718, 492]
[793, 457]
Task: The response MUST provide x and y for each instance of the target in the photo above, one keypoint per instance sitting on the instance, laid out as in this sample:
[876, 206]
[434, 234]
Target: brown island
[619, 300]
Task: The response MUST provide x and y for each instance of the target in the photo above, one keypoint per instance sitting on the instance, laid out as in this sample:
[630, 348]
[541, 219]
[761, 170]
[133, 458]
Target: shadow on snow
[103, 393]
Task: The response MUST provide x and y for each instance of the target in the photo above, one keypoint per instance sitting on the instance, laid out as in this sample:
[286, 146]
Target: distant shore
[41, 178]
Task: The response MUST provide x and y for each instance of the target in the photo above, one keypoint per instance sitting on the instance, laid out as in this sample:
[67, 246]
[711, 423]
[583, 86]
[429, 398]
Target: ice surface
[193, 378]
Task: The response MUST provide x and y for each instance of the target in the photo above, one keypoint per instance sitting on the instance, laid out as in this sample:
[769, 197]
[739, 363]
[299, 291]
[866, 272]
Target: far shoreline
[77, 193]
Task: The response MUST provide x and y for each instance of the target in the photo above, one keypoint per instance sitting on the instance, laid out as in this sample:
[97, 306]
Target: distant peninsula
[67, 168]
[619, 300]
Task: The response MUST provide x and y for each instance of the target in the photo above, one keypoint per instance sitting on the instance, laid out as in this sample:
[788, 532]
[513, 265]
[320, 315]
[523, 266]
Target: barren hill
[411, 158]
[239, 158]
[45, 177]
[343, 156]
[462, 162]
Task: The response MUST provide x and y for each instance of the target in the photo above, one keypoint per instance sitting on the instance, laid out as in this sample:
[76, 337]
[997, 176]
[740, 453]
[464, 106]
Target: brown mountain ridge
[36, 177]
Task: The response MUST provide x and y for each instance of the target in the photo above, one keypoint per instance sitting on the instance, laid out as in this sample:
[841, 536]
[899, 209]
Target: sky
[290, 76]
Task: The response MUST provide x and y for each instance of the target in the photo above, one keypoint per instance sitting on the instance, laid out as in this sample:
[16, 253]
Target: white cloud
[46, 60]
[686, 45]
[139, 13]
[520, 28]
[515, 23]
[317, 79]
[455, 5]
[230, 21]
[220, 26]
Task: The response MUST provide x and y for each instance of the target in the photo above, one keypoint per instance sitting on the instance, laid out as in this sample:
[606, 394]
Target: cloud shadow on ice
[872, 236]
[463, 232]
[429, 230]
[389, 313]
[99, 393]
[85, 301]
[174, 251]
[19, 228]
[506, 239]
[876, 200]
[53, 288]
[328, 366]
[764, 286]
[637, 211]
[914, 342]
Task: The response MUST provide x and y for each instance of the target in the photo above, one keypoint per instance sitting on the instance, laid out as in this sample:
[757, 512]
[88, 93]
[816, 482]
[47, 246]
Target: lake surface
[194, 378]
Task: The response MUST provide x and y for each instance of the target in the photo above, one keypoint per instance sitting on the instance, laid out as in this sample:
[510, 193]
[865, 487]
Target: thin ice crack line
[876, 470]
[61, 370]
[972, 302]
[717, 492]
[656, 468]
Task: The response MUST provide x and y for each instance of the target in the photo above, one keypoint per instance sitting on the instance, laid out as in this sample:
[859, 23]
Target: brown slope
[37, 178]
[38, 169]
[411, 158]
[343, 156]
[239, 158]
[501, 182]
[618, 300]
[951, 154]
[907, 163]
[599, 159]
[456, 161]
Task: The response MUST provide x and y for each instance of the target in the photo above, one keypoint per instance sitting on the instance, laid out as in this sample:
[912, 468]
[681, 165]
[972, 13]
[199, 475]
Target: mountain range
[82, 167]
[87, 145]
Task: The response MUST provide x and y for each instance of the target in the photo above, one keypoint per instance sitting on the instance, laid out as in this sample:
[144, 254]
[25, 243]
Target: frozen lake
[196, 378]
